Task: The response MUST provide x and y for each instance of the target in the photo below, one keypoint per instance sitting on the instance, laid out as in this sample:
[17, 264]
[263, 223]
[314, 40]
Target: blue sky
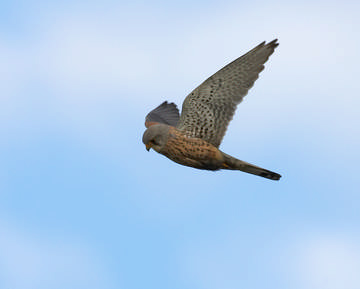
[84, 205]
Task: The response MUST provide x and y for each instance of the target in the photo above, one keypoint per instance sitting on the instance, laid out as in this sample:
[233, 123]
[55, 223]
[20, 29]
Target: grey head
[156, 137]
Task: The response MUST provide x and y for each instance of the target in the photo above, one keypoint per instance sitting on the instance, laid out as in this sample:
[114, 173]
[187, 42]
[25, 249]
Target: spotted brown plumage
[192, 138]
[192, 152]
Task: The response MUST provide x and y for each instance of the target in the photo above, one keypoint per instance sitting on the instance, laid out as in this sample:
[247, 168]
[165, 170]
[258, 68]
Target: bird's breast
[193, 152]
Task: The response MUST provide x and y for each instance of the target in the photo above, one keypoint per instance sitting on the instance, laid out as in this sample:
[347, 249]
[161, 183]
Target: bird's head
[156, 137]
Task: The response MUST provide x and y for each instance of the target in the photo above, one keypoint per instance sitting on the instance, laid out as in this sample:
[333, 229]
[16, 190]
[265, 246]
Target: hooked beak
[148, 146]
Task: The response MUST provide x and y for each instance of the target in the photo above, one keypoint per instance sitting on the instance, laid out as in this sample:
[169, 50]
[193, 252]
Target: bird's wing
[166, 113]
[208, 109]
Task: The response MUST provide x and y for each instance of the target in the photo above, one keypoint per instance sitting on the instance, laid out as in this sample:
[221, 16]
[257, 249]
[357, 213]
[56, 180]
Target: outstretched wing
[208, 109]
[166, 113]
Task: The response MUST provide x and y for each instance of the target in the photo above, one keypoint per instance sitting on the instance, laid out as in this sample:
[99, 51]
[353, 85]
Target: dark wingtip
[166, 103]
[273, 43]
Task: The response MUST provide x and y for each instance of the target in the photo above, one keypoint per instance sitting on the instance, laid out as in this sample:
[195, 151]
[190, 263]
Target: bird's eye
[155, 142]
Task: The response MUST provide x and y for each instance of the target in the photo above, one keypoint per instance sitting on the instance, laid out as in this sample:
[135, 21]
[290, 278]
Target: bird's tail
[232, 163]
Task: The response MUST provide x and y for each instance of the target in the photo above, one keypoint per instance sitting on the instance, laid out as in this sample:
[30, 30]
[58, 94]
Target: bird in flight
[193, 138]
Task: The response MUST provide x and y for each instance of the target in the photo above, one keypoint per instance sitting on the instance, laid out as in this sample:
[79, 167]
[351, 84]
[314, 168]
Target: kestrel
[192, 138]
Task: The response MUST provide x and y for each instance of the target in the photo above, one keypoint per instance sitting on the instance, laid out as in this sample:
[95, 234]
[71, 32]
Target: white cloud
[92, 49]
[329, 262]
[237, 259]
[79, 53]
[240, 258]
[84, 62]
[28, 262]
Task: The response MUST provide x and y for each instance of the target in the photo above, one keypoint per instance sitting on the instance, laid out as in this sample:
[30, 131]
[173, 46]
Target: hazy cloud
[29, 261]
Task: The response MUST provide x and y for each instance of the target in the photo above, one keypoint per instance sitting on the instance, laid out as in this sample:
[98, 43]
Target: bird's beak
[148, 146]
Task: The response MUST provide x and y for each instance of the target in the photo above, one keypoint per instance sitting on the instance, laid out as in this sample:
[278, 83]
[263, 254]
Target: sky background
[84, 205]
